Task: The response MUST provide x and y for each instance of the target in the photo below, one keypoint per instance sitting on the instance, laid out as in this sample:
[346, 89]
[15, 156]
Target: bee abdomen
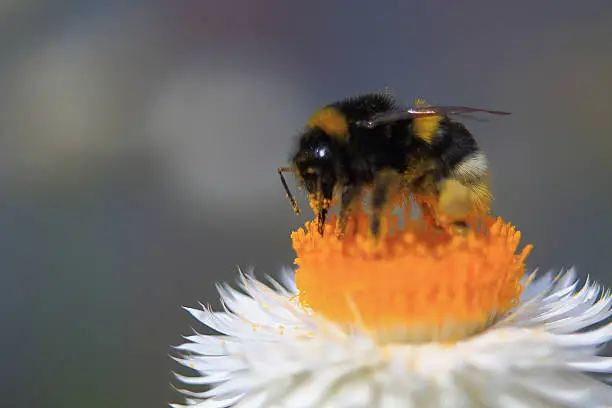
[472, 169]
[473, 172]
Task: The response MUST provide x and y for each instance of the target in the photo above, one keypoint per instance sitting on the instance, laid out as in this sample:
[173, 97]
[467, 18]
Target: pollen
[414, 283]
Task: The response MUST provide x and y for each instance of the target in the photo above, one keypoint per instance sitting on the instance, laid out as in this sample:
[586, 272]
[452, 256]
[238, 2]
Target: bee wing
[392, 117]
[412, 113]
[459, 110]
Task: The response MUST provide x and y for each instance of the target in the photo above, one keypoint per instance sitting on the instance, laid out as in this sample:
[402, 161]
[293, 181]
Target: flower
[419, 319]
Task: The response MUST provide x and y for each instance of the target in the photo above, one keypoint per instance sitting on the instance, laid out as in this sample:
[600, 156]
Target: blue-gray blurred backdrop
[139, 143]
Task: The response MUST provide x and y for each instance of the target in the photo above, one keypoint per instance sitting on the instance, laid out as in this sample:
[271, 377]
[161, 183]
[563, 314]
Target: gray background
[139, 143]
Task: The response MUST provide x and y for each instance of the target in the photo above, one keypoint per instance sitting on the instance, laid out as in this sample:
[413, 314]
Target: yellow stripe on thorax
[331, 121]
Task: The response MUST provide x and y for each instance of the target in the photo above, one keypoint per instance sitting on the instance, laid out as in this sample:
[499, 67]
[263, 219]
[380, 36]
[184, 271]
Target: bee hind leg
[459, 227]
[429, 214]
[456, 204]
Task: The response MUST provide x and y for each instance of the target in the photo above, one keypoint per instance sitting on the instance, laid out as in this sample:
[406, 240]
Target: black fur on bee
[369, 142]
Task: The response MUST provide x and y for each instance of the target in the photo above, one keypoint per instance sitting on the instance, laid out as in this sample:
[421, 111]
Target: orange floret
[415, 283]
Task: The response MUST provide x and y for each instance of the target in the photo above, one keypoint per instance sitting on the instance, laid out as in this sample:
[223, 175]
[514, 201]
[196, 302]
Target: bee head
[316, 161]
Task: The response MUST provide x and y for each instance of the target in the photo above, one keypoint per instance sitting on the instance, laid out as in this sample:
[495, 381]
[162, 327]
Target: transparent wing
[421, 112]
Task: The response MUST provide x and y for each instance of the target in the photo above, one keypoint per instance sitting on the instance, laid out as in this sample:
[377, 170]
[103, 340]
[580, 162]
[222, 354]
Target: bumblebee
[370, 143]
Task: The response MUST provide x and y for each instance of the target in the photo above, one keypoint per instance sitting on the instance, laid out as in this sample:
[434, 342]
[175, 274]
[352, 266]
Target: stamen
[415, 283]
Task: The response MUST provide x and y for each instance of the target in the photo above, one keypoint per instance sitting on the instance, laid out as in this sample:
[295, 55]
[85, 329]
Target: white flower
[271, 352]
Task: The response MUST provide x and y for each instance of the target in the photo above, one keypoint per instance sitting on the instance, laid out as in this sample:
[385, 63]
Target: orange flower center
[416, 283]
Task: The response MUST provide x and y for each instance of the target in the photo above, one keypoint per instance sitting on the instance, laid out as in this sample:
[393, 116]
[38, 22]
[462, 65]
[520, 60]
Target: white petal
[271, 352]
[211, 403]
[209, 379]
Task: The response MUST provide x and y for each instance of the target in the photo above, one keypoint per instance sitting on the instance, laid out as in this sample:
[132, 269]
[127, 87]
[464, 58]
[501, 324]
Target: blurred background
[139, 143]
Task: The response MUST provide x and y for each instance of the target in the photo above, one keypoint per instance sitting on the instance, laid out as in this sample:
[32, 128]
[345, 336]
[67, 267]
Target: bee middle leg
[350, 194]
[386, 185]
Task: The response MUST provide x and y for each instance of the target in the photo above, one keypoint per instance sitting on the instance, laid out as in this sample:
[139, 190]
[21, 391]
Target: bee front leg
[323, 203]
[290, 196]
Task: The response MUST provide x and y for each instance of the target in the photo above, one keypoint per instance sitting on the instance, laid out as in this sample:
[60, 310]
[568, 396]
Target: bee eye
[322, 152]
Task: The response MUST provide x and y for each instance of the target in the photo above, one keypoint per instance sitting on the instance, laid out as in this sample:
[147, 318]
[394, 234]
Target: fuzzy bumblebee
[370, 143]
